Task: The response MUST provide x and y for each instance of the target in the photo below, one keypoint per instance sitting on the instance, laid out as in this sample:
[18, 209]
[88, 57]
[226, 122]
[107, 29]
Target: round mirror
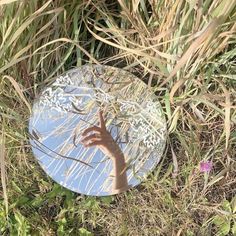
[97, 130]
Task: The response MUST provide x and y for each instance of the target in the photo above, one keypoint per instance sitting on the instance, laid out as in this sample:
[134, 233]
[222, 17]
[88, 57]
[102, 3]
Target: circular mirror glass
[97, 130]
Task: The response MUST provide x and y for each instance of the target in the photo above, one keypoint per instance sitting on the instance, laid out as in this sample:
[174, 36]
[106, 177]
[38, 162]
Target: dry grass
[185, 50]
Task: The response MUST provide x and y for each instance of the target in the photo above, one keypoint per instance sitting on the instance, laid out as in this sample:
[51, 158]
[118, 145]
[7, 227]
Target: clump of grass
[185, 51]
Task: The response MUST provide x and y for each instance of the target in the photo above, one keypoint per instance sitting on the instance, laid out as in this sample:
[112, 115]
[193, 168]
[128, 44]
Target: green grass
[185, 51]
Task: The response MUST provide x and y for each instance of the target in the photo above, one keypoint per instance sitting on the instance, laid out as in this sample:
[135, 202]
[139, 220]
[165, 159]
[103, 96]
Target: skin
[100, 137]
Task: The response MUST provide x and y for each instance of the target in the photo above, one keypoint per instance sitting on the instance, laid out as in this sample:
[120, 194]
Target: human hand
[99, 136]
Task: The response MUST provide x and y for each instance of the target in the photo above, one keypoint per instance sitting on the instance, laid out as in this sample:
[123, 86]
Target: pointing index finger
[102, 122]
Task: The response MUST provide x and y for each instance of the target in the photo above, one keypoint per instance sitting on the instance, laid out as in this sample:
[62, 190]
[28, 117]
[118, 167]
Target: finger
[90, 129]
[92, 137]
[102, 122]
[94, 143]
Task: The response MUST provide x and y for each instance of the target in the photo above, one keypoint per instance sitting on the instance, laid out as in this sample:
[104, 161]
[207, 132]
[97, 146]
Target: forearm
[119, 172]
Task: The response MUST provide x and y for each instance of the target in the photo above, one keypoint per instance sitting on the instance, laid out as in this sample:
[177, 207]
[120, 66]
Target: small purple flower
[205, 166]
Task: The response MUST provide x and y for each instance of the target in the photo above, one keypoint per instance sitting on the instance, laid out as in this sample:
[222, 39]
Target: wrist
[118, 157]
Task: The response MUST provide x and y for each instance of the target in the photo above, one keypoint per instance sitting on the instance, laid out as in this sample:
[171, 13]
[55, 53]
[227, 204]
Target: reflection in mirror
[97, 130]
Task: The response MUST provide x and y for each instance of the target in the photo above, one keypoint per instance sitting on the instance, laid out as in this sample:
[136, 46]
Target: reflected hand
[99, 136]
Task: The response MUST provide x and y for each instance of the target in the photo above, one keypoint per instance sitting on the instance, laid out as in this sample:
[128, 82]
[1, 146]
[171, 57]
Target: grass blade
[3, 169]
[18, 90]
